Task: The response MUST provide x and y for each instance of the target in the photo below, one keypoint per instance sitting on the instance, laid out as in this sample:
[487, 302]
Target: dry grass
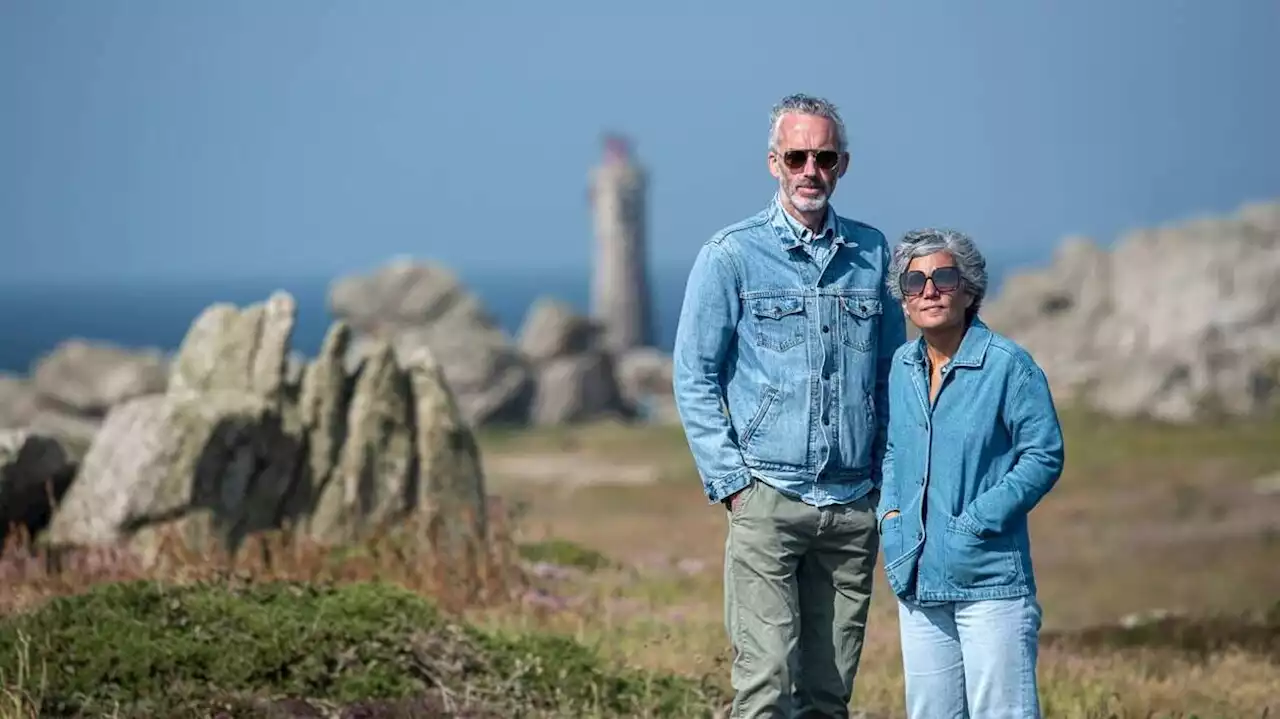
[1147, 517]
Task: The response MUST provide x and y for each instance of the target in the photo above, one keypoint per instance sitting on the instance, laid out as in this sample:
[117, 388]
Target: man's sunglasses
[824, 159]
[945, 279]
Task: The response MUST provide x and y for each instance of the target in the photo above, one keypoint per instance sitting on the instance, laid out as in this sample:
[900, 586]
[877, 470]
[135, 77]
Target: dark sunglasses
[945, 279]
[824, 159]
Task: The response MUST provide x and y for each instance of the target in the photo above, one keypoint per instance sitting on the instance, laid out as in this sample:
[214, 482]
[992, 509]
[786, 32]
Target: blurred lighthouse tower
[620, 283]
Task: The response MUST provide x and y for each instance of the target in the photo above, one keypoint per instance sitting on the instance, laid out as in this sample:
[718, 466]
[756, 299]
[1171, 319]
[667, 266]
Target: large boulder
[231, 449]
[412, 306]
[1175, 323]
[89, 377]
[576, 373]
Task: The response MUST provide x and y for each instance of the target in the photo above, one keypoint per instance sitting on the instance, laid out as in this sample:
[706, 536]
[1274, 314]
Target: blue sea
[34, 318]
[158, 313]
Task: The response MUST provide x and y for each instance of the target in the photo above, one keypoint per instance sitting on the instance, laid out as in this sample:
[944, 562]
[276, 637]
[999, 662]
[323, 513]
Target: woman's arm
[1032, 421]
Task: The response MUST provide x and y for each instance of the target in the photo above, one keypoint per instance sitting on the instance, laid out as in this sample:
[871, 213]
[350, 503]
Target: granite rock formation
[1178, 323]
[412, 306]
[576, 375]
[232, 447]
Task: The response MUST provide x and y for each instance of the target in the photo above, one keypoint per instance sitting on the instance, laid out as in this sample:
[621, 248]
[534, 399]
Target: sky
[176, 139]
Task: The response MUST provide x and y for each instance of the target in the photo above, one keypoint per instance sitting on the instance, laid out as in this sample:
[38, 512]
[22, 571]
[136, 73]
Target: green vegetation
[148, 649]
[565, 553]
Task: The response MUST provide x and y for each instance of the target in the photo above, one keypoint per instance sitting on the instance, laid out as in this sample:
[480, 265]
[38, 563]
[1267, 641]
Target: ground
[623, 556]
[1146, 519]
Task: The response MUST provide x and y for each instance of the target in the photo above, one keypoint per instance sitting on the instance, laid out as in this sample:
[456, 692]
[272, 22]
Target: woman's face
[933, 294]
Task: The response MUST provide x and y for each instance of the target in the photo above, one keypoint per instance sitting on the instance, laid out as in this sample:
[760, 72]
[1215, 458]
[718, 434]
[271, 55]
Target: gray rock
[578, 388]
[552, 329]
[1176, 323]
[412, 306]
[225, 452]
[89, 377]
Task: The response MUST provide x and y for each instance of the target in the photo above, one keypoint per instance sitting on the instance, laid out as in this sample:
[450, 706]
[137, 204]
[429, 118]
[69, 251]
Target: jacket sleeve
[893, 334]
[1032, 421]
[705, 331]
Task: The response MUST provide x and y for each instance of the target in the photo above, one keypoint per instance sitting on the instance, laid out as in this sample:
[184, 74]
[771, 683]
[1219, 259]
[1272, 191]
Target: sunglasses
[824, 159]
[945, 279]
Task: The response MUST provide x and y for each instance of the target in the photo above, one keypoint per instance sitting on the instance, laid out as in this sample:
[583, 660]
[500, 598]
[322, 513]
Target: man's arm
[707, 325]
[1037, 439]
[893, 334]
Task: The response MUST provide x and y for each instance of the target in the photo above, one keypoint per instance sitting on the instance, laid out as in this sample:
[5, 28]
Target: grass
[1147, 518]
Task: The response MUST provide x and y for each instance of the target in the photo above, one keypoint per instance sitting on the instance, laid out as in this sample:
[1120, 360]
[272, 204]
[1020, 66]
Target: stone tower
[620, 283]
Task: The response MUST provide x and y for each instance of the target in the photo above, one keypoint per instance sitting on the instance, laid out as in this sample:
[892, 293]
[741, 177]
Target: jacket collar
[972, 352]
[786, 228]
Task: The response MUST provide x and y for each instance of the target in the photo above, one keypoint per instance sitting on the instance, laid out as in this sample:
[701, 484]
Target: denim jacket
[781, 362]
[965, 474]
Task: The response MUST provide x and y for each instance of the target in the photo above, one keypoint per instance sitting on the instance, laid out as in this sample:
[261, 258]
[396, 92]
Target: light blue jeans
[971, 659]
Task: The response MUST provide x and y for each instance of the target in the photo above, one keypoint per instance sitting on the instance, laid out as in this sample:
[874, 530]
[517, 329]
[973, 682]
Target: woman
[974, 442]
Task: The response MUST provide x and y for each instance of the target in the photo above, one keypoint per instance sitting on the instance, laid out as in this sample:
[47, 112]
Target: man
[781, 364]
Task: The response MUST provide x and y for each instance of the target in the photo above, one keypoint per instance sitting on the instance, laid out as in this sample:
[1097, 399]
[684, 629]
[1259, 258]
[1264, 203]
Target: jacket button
[826, 329]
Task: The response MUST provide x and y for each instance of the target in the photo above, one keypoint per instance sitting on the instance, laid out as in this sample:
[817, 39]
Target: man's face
[807, 162]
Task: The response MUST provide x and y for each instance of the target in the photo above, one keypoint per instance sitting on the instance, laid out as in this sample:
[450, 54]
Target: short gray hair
[802, 104]
[927, 241]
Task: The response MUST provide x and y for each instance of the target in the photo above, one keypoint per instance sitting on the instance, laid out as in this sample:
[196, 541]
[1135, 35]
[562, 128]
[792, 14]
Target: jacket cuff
[722, 487]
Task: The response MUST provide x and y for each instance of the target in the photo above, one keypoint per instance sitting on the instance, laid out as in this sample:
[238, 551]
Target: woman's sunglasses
[824, 159]
[945, 279]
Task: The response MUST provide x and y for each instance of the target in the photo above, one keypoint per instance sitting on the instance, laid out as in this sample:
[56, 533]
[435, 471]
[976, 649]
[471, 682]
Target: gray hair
[802, 104]
[924, 242]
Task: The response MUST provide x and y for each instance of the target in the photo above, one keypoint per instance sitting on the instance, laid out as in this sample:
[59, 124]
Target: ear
[772, 160]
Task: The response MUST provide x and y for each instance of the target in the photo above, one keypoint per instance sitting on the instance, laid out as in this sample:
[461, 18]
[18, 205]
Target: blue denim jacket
[797, 350]
[965, 474]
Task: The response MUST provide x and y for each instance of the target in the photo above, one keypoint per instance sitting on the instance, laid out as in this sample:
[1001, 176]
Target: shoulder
[1007, 353]
[744, 230]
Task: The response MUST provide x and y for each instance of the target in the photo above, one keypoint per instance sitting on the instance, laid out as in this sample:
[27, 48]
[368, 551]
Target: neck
[942, 343]
[812, 220]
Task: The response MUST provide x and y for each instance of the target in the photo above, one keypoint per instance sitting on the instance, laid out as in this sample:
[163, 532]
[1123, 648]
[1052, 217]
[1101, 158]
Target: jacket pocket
[975, 562]
[778, 323]
[859, 321]
[891, 538]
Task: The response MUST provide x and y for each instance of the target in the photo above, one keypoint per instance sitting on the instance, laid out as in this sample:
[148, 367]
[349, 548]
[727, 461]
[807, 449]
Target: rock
[645, 378]
[228, 349]
[22, 407]
[578, 388]
[576, 374]
[423, 305]
[552, 329]
[89, 377]
[226, 451]
[1177, 323]
[34, 473]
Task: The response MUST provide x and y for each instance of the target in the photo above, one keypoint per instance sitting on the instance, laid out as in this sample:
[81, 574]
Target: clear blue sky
[146, 138]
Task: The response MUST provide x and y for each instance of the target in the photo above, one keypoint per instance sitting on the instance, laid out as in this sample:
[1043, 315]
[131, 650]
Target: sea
[156, 313]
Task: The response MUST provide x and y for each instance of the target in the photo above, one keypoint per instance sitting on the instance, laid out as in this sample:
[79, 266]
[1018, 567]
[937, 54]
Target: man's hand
[731, 502]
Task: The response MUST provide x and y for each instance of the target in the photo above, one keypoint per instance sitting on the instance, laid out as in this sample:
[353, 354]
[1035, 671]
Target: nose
[930, 289]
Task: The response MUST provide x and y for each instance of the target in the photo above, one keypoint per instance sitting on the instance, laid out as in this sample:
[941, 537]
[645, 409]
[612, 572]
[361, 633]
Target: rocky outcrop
[1175, 323]
[34, 473]
[645, 377]
[89, 377]
[412, 306]
[576, 375]
[72, 387]
[232, 447]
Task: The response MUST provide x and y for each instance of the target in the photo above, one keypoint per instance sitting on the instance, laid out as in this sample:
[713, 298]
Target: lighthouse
[620, 283]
